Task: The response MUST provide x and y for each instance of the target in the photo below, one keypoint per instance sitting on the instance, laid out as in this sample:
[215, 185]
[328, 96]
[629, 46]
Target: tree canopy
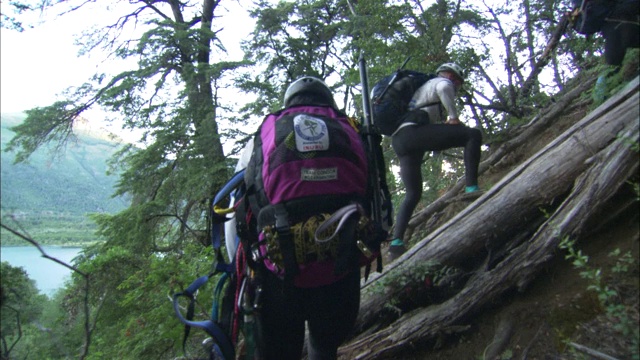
[20, 305]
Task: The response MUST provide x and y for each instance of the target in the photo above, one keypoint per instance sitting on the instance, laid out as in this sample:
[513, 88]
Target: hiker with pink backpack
[309, 207]
[305, 223]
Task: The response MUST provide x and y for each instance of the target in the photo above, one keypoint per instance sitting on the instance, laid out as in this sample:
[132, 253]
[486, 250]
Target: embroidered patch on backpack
[327, 174]
[311, 133]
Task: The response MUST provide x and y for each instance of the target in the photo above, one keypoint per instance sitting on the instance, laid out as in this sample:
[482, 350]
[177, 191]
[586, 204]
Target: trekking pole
[374, 161]
[395, 75]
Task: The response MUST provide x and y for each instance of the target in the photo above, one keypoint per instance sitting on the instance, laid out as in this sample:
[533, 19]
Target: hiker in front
[427, 128]
[314, 164]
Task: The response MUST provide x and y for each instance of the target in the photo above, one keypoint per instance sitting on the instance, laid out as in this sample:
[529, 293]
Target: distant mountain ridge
[75, 183]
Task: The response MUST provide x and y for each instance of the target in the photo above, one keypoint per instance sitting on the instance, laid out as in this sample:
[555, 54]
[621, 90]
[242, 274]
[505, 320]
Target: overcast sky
[38, 64]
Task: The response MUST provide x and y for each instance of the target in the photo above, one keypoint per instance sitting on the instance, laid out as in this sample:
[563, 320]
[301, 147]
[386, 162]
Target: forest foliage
[176, 95]
[53, 197]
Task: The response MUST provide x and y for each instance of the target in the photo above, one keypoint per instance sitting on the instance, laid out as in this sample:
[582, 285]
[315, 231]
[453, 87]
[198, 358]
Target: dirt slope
[557, 307]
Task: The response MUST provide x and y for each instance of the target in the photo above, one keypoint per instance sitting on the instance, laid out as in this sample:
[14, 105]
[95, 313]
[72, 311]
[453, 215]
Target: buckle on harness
[364, 248]
[282, 220]
[287, 246]
[255, 253]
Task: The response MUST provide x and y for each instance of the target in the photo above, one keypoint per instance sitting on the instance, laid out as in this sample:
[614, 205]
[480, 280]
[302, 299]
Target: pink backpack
[308, 162]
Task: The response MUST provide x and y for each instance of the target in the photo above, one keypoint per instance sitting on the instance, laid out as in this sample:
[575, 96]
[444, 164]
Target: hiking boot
[395, 251]
[471, 189]
[599, 93]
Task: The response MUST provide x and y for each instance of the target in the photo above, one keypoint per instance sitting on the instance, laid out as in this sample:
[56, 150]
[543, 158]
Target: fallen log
[493, 220]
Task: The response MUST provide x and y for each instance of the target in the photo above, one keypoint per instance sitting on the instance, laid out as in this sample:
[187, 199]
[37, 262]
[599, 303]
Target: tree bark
[573, 176]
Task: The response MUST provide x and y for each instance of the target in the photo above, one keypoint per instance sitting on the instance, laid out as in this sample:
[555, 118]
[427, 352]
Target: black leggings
[410, 145]
[330, 312]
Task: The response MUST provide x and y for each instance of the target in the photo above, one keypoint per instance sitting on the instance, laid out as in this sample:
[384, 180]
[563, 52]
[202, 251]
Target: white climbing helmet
[454, 68]
[309, 84]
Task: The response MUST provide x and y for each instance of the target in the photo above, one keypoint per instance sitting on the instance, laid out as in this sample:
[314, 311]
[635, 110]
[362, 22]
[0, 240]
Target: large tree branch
[508, 61]
[544, 59]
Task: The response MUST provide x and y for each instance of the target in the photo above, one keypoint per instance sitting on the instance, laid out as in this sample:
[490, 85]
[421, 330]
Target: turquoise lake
[48, 275]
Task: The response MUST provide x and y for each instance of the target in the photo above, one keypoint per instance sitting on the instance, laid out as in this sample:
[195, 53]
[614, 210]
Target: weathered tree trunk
[571, 178]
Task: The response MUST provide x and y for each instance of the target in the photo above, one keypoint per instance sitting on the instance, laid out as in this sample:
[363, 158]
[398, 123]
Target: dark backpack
[307, 197]
[592, 15]
[391, 96]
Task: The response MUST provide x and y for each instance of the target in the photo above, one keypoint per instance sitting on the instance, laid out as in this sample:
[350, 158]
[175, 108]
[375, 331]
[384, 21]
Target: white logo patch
[319, 174]
[311, 133]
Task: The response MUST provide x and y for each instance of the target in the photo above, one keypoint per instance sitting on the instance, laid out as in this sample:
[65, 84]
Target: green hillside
[51, 197]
